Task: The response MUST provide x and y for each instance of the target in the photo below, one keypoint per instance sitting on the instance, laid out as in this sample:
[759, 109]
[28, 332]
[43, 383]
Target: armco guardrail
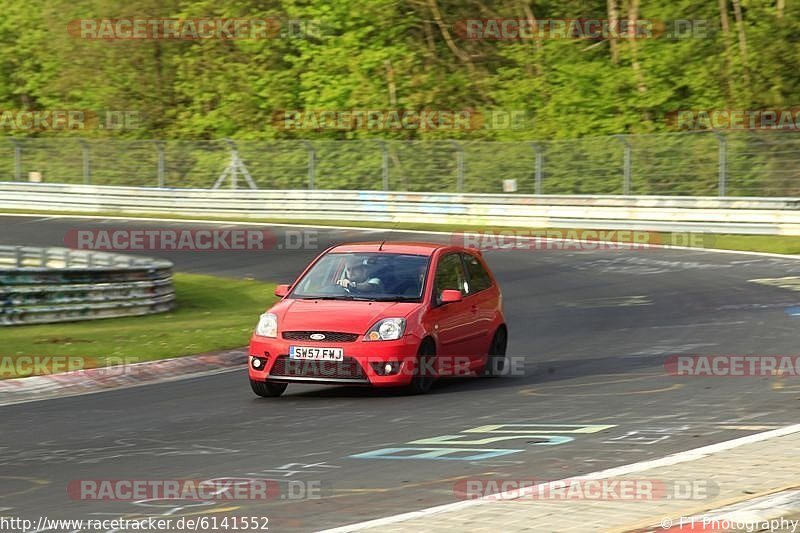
[776, 216]
[43, 285]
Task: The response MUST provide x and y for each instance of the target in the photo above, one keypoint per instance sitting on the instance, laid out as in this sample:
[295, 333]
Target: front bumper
[356, 369]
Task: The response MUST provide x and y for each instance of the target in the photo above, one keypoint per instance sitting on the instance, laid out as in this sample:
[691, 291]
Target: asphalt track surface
[593, 328]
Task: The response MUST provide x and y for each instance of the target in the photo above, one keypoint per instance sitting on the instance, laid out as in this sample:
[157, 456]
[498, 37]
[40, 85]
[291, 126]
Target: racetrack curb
[743, 469]
[21, 390]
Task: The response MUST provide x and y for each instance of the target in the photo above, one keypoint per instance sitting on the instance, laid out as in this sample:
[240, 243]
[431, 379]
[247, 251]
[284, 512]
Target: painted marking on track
[676, 386]
[750, 428]
[413, 485]
[435, 453]
[546, 440]
[615, 301]
[540, 428]
[534, 434]
[538, 392]
[790, 283]
[781, 387]
[525, 392]
[792, 311]
[667, 349]
[638, 437]
[36, 485]
[693, 325]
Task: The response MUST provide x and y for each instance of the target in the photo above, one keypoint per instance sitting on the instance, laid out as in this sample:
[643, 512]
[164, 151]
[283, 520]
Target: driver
[356, 277]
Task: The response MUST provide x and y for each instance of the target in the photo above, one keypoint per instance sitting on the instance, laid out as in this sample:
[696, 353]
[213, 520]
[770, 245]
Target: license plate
[315, 353]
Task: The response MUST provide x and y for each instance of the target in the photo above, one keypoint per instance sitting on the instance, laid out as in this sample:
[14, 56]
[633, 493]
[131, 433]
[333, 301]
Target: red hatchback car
[390, 314]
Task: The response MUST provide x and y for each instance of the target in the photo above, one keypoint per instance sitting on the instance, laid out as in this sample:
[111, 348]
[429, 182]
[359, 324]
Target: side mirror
[281, 290]
[450, 296]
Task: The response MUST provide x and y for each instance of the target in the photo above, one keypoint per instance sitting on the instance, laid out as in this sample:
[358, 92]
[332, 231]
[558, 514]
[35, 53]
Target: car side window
[449, 275]
[479, 279]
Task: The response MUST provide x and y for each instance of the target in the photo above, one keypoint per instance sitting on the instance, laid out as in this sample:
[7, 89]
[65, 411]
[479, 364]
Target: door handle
[474, 309]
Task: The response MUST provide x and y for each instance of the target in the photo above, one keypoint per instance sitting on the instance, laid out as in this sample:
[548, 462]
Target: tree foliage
[399, 54]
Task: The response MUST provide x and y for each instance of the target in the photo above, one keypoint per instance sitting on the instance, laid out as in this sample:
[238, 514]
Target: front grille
[345, 369]
[330, 336]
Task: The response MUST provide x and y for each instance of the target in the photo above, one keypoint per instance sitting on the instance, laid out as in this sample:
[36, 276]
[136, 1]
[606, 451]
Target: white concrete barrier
[772, 216]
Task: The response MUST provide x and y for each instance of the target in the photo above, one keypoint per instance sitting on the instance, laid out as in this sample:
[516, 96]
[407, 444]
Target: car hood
[337, 315]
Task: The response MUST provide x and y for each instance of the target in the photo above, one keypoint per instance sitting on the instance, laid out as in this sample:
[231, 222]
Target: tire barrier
[46, 285]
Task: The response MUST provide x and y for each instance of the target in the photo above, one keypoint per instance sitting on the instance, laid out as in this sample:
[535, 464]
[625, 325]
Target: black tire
[422, 380]
[496, 361]
[266, 389]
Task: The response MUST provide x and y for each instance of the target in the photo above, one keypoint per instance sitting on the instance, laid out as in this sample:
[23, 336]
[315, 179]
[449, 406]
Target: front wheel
[423, 378]
[266, 389]
[496, 360]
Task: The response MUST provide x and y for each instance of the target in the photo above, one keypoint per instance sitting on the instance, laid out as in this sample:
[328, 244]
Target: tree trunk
[737, 13]
[537, 42]
[633, 21]
[726, 36]
[613, 25]
[391, 83]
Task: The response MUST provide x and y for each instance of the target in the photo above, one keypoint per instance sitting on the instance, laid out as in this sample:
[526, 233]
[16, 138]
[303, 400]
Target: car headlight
[388, 329]
[267, 325]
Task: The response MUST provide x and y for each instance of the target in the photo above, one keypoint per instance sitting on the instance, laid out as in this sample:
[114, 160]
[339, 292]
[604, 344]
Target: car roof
[390, 247]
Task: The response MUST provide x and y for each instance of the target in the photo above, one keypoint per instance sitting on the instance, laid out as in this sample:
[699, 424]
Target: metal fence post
[385, 165]
[87, 169]
[723, 163]
[17, 161]
[626, 169]
[537, 184]
[160, 148]
[312, 164]
[459, 167]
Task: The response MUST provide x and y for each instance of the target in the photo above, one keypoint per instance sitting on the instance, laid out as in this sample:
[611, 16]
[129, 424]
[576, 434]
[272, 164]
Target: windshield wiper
[362, 298]
[342, 297]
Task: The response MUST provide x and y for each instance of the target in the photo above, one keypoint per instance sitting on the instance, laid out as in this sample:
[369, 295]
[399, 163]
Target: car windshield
[365, 276]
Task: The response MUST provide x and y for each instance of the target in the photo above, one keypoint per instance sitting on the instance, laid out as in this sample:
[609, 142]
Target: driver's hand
[345, 283]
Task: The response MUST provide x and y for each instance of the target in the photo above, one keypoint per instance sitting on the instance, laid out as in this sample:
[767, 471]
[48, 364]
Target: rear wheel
[266, 389]
[496, 361]
[423, 378]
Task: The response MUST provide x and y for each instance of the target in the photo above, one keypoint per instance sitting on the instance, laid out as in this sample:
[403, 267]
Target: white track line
[423, 232]
[669, 460]
[157, 381]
